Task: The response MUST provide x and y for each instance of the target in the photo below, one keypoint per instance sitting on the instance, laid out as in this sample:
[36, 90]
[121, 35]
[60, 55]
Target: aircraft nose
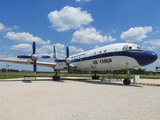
[147, 57]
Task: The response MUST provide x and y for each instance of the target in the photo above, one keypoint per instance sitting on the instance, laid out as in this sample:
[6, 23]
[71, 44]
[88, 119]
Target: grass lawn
[120, 76]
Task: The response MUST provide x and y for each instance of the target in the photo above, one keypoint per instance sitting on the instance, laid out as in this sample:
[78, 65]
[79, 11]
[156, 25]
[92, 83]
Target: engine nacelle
[60, 66]
[30, 61]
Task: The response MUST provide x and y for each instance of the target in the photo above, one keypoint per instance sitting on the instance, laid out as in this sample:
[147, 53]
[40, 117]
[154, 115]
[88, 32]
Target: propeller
[67, 60]
[33, 57]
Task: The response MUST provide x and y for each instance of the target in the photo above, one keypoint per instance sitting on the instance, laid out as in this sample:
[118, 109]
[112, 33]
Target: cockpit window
[139, 48]
[123, 48]
[132, 48]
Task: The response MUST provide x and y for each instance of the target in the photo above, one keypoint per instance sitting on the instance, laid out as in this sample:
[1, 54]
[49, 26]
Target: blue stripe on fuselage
[142, 57]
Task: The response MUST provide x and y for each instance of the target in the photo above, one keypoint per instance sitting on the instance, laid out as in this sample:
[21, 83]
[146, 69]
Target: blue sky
[81, 24]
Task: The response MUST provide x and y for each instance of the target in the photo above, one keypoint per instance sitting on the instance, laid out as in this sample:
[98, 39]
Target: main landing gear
[95, 77]
[127, 81]
[56, 78]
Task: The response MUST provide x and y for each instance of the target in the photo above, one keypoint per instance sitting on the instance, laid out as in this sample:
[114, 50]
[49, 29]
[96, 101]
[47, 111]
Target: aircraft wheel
[97, 77]
[126, 81]
[56, 78]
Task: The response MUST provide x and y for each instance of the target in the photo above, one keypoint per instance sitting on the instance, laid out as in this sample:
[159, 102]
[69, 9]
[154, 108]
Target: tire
[126, 81]
[97, 77]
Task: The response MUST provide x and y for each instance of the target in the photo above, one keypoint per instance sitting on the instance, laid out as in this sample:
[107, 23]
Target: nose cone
[147, 57]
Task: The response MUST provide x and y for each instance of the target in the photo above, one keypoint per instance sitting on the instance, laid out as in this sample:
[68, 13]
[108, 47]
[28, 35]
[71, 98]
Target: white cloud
[136, 33]
[23, 47]
[156, 32]
[96, 47]
[45, 49]
[1, 27]
[82, 0]
[4, 28]
[25, 37]
[0, 39]
[60, 47]
[151, 47]
[90, 36]
[15, 27]
[74, 49]
[69, 18]
[143, 47]
[110, 39]
[155, 44]
[114, 31]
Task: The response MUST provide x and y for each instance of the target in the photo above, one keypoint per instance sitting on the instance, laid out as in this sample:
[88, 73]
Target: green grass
[121, 76]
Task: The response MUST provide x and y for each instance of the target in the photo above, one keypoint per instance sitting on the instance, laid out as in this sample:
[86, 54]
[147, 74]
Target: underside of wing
[46, 64]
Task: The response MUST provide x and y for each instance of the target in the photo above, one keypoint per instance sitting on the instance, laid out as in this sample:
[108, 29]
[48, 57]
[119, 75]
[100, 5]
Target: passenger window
[105, 51]
[95, 53]
[99, 52]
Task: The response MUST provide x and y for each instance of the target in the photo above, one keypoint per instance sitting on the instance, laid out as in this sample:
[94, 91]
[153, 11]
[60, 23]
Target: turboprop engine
[60, 66]
[30, 61]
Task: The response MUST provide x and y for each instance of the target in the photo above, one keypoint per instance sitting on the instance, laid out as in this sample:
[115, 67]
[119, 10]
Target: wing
[46, 64]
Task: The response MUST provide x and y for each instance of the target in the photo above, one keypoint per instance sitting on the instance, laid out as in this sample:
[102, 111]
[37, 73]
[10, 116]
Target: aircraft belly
[108, 63]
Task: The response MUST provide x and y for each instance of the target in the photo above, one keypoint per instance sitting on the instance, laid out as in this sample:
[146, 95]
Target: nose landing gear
[95, 75]
[127, 81]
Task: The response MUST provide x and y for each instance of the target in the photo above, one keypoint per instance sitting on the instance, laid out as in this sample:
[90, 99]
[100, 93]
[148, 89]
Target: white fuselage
[105, 58]
[111, 57]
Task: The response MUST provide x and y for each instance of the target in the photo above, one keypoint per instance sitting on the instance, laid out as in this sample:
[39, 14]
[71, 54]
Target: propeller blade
[54, 52]
[45, 56]
[35, 67]
[34, 47]
[67, 51]
[68, 70]
[23, 56]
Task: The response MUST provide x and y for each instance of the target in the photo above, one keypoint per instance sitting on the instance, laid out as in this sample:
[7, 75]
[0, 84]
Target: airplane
[118, 56]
